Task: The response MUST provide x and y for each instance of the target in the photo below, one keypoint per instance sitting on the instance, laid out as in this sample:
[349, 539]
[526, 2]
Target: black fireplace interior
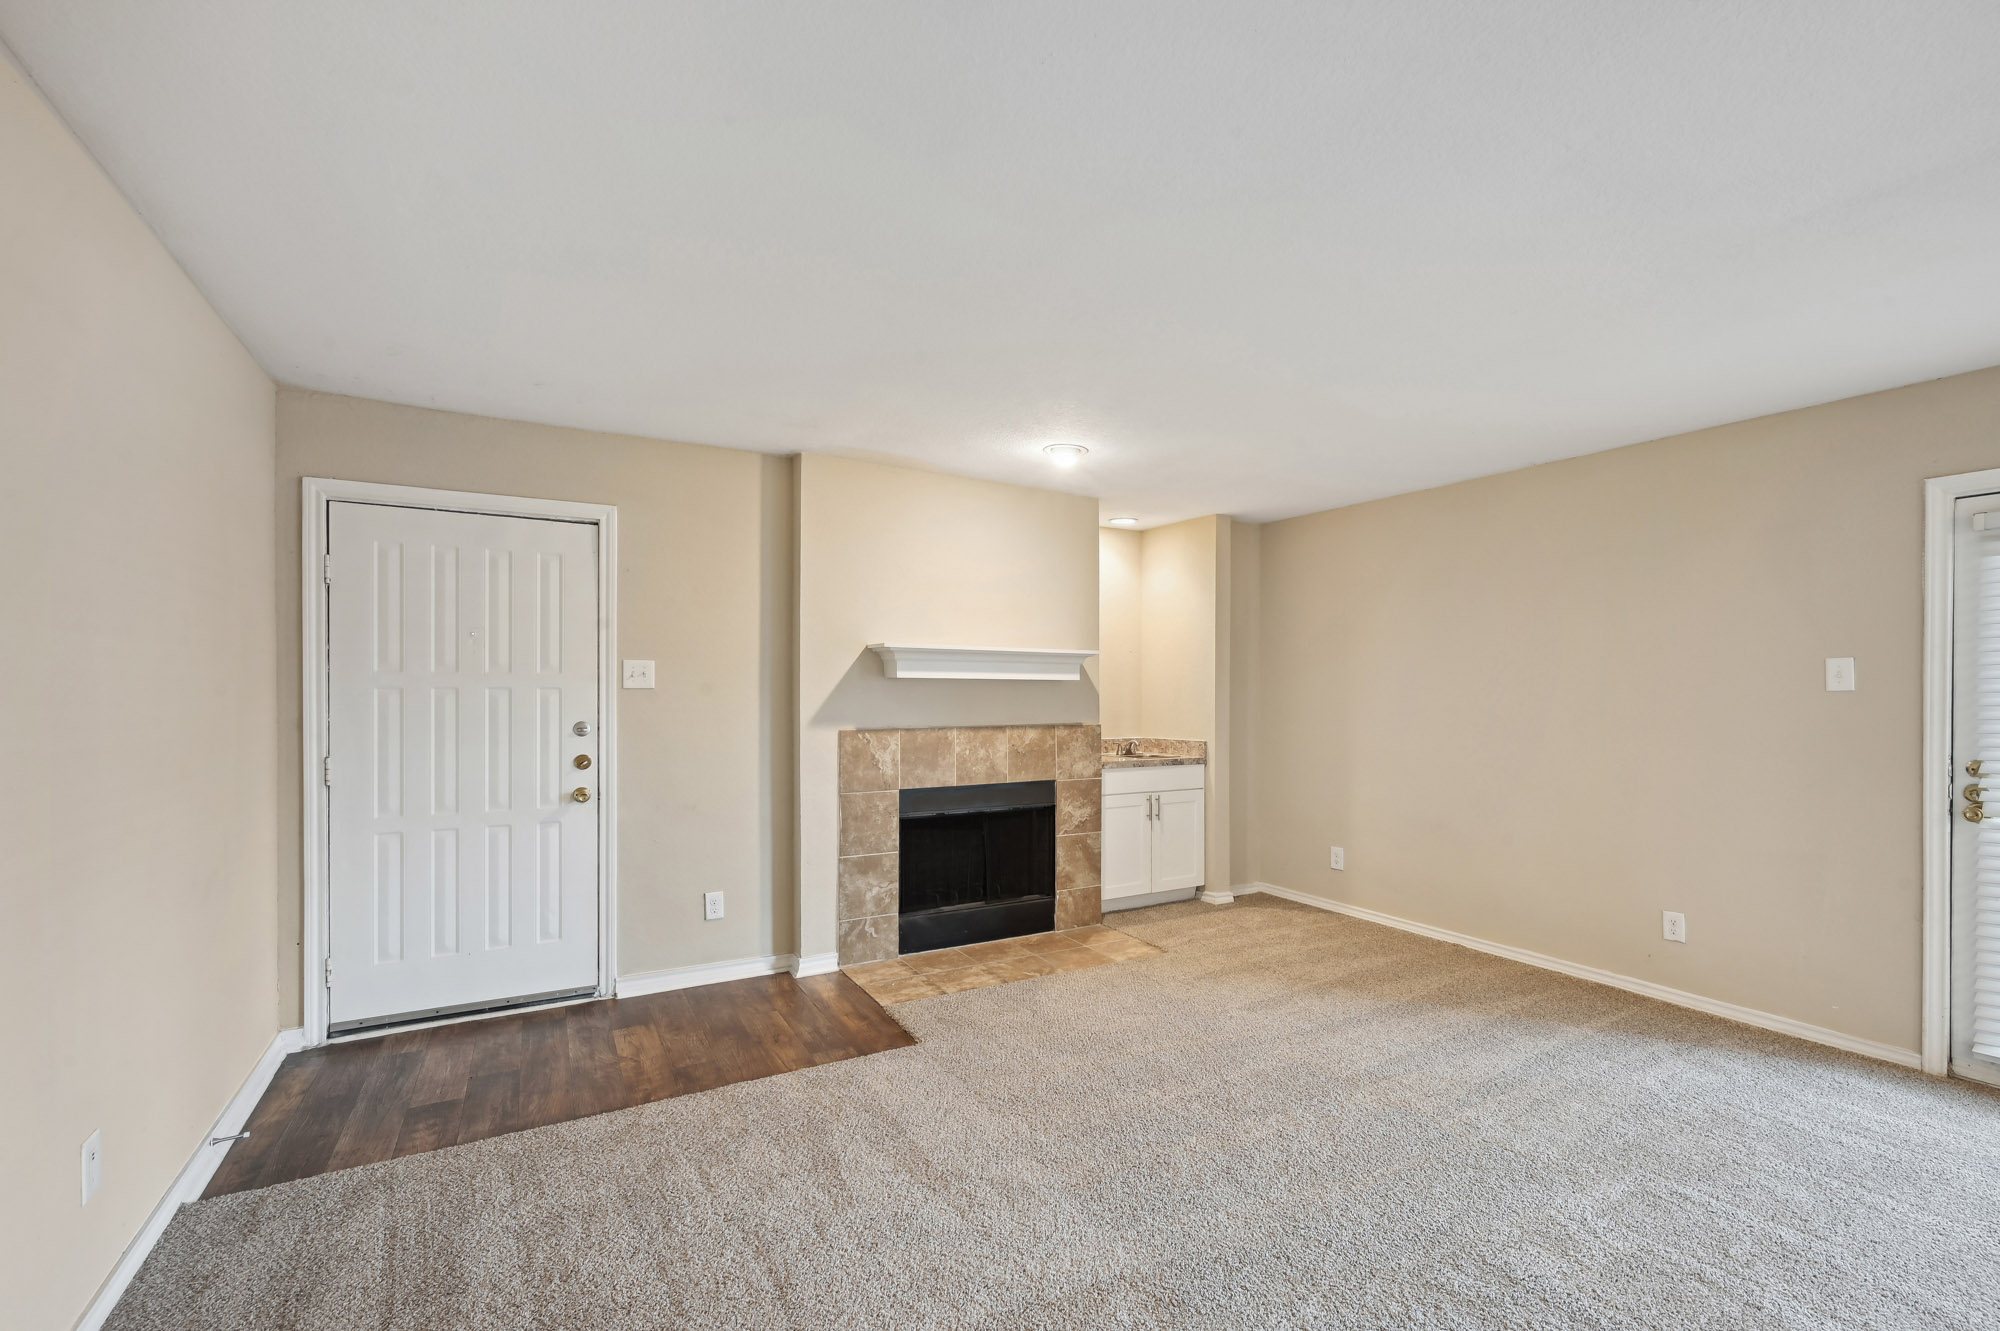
[977, 863]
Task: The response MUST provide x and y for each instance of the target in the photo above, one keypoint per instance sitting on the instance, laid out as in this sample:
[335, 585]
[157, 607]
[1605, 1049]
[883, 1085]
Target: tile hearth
[953, 970]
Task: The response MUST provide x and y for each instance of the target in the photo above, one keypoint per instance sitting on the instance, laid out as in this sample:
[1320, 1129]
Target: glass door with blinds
[1975, 847]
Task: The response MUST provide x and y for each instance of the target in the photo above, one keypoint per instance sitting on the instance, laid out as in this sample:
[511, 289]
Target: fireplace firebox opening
[976, 863]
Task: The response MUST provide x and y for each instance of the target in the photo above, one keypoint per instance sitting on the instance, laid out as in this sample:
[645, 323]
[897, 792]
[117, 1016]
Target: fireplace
[977, 863]
[964, 782]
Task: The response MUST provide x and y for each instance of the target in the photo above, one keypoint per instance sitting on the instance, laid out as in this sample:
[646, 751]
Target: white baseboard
[1770, 1021]
[819, 963]
[714, 972]
[1222, 898]
[194, 1176]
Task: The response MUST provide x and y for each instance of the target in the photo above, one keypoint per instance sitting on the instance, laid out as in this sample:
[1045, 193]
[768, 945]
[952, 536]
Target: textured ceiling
[1261, 258]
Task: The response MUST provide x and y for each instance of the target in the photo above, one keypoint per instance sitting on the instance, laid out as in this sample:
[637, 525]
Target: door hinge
[326, 570]
[326, 770]
[329, 972]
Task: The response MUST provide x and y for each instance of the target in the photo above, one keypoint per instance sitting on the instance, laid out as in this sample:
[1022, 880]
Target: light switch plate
[638, 674]
[1840, 674]
[93, 1165]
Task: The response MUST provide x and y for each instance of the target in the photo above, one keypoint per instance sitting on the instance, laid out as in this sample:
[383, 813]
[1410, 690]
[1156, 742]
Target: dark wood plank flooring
[394, 1095]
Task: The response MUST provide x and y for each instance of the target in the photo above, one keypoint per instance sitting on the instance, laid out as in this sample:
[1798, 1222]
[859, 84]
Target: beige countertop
[1154, 753]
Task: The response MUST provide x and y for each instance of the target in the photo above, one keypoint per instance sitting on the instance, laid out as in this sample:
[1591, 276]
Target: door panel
[1178, 838]
[1975, 852]
[462, 651]
[1128, 846]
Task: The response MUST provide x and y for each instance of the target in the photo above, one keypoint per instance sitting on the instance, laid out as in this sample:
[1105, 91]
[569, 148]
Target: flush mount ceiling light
[1123, 522]
[1065, 455]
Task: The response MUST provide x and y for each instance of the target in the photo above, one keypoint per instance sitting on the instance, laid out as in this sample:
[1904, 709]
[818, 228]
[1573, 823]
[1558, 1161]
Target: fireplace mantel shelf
[903, 661]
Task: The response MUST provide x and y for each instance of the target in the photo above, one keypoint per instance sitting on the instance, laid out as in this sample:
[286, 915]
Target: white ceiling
[1262, 258]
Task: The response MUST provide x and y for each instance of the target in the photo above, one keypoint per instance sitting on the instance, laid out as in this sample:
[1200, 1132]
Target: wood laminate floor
[354, 1104]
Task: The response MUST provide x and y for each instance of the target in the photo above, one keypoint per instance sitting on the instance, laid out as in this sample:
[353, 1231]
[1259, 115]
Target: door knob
[581, 794]
[1975, 813]
[1975, 793]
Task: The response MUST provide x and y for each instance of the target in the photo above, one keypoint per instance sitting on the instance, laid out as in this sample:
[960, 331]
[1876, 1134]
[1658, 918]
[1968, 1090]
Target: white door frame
[1941, 494]
[317, 493]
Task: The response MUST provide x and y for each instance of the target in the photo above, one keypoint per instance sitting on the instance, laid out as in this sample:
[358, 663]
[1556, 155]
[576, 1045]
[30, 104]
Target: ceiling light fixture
[1122, 522]
[1065, 455]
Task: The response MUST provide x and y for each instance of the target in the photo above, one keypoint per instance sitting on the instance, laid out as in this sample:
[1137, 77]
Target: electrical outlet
[1340, 857]
[711, 906]
[93, 1165]
[1674, 926]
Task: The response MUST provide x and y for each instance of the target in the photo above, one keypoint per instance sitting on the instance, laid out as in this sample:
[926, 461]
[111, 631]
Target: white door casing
[462, 650]
[1974, 939]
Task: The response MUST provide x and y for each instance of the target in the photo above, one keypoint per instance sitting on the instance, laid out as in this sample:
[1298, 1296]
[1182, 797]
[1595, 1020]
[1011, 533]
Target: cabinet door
[1128, 845]
[1179, 840]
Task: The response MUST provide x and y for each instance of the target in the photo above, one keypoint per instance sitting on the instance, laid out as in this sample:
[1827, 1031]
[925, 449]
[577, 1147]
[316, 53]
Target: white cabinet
[1154, 831]
[1128, 844]
[1179, 839]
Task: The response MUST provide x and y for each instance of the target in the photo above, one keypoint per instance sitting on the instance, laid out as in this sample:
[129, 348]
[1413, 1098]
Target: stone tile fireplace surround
[877, 765]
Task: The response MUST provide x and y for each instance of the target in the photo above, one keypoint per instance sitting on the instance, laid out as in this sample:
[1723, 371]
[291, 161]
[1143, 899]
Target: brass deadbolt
[1972, 768]
[582, 760]
[581, 794]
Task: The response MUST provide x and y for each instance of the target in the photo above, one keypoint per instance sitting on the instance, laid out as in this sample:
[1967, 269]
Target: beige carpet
[1290, 1119]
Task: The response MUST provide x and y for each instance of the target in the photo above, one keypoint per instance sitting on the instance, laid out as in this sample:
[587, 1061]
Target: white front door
[1975, 849]
[462, 740]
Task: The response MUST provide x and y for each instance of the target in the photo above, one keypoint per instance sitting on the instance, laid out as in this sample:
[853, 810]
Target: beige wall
[1245, 692]
[1177, 623]
[135, 805]
[1116, 668]
[704, 590]
[1543, 707]
[891, 554]
[1219, 845]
